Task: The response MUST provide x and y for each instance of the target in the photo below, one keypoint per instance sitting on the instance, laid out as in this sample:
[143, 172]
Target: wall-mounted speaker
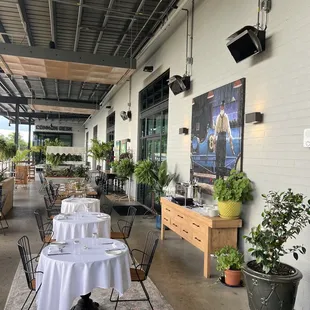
[246, 42]
[179, 84]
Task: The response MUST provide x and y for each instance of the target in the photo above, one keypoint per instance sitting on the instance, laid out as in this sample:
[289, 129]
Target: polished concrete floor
[177, 269]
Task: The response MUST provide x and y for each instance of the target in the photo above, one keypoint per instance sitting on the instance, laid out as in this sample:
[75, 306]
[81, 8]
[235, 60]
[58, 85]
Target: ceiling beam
[24, 20]
[61, 103]
[44, 115]
[66, 56]
[52, 8]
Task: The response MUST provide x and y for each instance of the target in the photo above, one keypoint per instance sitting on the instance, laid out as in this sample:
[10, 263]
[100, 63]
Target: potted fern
[231, 192]
[229, 261]
[156, 177]
[270, 282]
[101, 151]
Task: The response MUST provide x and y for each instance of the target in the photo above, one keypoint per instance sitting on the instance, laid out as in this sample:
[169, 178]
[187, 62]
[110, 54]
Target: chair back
[41, 177]
[149, 251]
[25, 255]
[3, 198]
[39, 220]
[127, 225]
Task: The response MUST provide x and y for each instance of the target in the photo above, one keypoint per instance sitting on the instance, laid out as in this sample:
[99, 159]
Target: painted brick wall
[277, 84]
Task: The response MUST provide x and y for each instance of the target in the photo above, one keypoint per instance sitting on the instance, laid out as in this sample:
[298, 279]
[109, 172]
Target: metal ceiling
[106, 27]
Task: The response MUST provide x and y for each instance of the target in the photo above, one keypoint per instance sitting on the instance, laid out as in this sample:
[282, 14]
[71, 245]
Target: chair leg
[34, 297]
[116, 301]
[26, 300]
[111, 295]
[146, 294]
[3, 227]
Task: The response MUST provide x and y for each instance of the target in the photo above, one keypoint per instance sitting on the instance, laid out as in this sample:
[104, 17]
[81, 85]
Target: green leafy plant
[81, 172]
[229, 258]
[155, 176]
[101, 151]
[125, 168]
[114, 164]
[2, 175]
[284, 216]
[236, 187]
[55, 159]
[20, 156]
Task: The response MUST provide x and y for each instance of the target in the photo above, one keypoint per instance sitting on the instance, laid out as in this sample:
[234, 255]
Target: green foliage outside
[20, 156]
[101, 151]
[284, 216]
[229, 258]
[236, 187]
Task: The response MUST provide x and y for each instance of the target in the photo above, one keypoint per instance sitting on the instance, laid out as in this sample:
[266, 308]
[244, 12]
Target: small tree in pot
[229, 261]
[231, 192]
[270, 282]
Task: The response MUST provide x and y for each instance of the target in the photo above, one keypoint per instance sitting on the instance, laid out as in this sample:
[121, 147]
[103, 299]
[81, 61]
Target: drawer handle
[185, 231]
[175, 225]
[165, 219]
[197, 239]
[168, 209]
[196, 225]
[180, 216]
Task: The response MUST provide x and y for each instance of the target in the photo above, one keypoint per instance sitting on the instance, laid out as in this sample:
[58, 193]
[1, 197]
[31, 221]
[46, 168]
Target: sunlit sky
[5, 129]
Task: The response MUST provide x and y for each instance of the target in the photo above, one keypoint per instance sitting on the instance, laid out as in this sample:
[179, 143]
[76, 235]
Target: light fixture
[148, 69]
[237, 84]
[9, 123]
[210, 94]
[183, 131]
[255, 117]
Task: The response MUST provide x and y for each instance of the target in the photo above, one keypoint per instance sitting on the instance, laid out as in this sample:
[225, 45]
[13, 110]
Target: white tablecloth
[82, 227]
[71, 205]
[66, 277]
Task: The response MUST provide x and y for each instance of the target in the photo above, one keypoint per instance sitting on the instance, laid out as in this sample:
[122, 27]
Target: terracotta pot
[229, 209]
[233, 277]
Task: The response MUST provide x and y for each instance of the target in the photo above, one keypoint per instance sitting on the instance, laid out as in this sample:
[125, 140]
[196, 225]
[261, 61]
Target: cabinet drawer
[179, 217]
[198, 240]
[166, 220]
[186, 233]
[198, 226]
[168, 211]
[175, 226]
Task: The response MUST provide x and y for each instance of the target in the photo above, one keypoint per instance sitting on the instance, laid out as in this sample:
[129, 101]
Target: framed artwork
[217, 133]
[117, 150]
[123, 146]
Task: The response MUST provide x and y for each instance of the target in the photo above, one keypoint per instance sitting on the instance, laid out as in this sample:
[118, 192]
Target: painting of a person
[222, 132]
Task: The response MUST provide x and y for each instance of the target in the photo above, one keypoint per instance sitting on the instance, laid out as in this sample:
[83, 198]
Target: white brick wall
[277, 84]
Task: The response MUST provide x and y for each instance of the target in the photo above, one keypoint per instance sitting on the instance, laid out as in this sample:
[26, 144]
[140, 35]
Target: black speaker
[246, 42]
[179, 84]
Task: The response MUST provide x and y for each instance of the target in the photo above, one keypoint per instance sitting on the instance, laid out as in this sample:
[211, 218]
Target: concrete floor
[177, 269]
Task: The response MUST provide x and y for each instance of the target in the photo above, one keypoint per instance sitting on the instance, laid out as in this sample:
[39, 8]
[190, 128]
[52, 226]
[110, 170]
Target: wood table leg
[162, 229]
[207, 257]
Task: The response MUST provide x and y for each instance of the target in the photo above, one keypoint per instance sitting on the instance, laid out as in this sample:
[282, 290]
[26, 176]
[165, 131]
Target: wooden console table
[208, 234]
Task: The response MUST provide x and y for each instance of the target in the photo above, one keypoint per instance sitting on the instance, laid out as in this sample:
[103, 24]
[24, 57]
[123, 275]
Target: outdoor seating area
[154, 155]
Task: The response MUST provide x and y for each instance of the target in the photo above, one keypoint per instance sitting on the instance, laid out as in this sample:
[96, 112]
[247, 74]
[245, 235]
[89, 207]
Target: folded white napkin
[54, 249]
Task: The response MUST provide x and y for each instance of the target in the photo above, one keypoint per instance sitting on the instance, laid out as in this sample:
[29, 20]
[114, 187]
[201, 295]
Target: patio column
[17, 125]
[29, 133]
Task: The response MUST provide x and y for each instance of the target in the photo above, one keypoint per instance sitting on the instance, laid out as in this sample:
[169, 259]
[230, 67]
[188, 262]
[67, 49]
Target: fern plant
[125, 168]
[101, 151]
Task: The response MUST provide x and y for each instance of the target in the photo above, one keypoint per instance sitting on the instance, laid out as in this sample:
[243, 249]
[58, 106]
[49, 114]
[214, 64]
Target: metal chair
[45, 230]
[29, 267]
[140, 271]
[51, 210]
[2, 217]
[125, 226]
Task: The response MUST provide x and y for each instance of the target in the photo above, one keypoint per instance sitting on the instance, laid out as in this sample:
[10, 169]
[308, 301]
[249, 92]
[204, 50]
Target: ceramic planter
[271, 292]
[233, 277]
[229, 209]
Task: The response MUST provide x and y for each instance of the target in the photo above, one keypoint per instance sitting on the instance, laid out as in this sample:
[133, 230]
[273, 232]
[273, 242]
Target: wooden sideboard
[206, 233]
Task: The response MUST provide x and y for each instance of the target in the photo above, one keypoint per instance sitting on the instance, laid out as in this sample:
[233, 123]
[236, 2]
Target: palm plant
[155, 176]
[101, 151]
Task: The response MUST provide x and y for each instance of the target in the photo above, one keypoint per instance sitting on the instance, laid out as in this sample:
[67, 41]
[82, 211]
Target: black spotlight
[148, 69]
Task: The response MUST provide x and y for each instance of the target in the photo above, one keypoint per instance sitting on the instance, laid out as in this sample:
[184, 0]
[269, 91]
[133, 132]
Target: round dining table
[81, 225]
[75, 267]
[71, 205]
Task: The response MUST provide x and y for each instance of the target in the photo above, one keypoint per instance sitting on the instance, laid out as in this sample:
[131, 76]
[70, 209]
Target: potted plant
[231, 192]
[229, 261]
[114, 165]
[156, 177]
[269, 281]
[101, 151]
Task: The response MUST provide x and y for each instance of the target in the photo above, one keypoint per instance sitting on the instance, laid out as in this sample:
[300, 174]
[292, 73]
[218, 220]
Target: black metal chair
[2, 217]
[140, 271]
[45, 230]
[29, 267]
[50, 208]
[125, 226]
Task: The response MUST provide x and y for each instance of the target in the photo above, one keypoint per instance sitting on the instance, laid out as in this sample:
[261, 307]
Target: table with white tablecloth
[81, 225]
[71, 205]
[67, 276]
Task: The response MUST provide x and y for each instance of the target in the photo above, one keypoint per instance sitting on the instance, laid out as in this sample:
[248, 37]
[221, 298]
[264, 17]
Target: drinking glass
[95, 237]
[77, 248]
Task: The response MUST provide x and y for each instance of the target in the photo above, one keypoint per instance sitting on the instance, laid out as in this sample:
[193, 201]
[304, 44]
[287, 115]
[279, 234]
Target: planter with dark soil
[271, 291]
